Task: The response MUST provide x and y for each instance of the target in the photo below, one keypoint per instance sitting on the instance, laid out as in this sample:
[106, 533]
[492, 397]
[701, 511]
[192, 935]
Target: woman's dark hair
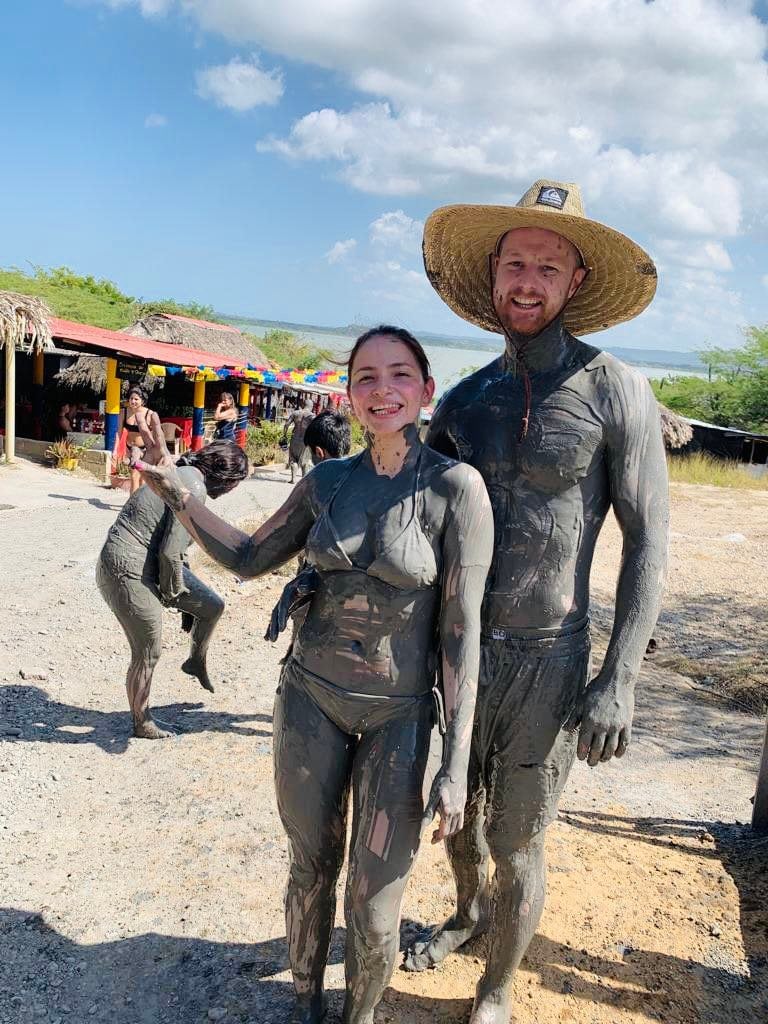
[399, 334]
[134, 389]
[222, 463]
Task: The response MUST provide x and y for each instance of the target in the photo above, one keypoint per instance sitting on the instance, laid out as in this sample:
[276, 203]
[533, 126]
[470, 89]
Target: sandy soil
[141, 883]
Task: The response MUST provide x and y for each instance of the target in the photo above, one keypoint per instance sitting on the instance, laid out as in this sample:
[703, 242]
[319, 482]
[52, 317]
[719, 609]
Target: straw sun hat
[458, 241]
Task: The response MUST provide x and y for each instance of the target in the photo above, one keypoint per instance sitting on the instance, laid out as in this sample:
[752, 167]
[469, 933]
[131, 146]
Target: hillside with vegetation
[97, 301]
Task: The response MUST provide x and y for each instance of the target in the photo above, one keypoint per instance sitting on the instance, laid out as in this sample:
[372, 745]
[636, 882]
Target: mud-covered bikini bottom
[358, 713]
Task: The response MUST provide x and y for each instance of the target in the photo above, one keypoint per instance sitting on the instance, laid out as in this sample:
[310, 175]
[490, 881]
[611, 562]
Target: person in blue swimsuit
[398, 540]
[225, 415]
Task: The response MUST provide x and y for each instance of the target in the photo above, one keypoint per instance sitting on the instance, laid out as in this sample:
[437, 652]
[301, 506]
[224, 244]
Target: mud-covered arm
[467, 552]
[279, 539]
[176, 540]
[637, 476]
[290, 422]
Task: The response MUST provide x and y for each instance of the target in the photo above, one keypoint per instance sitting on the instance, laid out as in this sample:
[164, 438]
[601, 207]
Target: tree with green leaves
[735, 392]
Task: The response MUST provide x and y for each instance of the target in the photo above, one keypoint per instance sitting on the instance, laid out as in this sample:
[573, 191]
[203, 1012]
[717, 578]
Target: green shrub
[262, 444]
[358, 435]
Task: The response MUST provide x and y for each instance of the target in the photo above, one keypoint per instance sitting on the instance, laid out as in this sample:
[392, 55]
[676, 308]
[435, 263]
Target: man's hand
[446, 798]
[165, 482]
[605, 720]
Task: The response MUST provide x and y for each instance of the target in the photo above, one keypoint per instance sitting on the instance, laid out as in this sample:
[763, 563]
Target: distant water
[449, 365]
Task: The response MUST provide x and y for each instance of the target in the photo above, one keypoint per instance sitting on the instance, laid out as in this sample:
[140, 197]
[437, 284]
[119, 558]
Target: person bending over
[142, 569]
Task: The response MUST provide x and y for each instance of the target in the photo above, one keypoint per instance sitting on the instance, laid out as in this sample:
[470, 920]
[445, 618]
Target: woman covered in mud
[142, 568]
[398, 542]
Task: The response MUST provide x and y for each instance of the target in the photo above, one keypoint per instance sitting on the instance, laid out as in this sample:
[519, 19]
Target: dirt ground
[141, 883]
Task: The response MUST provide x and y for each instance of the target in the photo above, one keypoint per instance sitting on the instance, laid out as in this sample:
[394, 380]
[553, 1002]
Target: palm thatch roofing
[676, 431]
[90, 371]
[222, 339]
[24, 322]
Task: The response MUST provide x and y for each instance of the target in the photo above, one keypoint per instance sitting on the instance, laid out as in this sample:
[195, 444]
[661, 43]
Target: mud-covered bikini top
[403, 554]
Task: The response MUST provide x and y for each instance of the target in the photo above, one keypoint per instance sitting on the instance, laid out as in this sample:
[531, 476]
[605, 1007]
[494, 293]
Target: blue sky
[279, 160]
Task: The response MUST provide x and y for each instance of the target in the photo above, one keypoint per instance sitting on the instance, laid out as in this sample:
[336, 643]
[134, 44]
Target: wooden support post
[242, 413]
[112, 406]
[197, 415]
[10, 401]
[38, 372]
[760, 810]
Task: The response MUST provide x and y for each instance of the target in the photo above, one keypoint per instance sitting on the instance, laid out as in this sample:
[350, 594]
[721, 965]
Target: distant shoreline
[674, 360]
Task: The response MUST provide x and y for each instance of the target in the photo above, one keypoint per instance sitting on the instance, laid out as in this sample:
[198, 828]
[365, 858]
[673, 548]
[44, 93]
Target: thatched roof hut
[23, 325]
[91, 371]
[24, 322]
[222, 339]
[676, 431]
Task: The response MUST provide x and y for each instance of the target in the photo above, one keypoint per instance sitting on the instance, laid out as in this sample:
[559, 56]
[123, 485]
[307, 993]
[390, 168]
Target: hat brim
[458, 240]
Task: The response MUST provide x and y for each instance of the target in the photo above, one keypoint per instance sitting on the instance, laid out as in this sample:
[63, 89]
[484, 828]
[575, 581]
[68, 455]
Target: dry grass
[706, 469]
[743, 680]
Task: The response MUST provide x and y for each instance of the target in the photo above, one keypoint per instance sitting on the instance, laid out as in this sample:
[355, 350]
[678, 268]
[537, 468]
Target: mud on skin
[140, 570]
[593, 442]
[398, 573]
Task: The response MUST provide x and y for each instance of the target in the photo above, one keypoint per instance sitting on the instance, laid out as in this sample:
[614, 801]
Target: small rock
[33, 673]
[714, 929]
[217, 1013]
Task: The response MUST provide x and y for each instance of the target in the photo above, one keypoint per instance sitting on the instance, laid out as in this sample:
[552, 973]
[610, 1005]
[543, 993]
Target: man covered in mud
[561, 433]
[298, 454]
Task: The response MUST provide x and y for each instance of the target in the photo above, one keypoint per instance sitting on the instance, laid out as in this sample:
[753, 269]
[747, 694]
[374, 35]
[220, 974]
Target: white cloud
[149, 8]
[240, 85]
[340, 250]
[155, 121]
[764, 279]
[700, 255]
[397, 230]
[661, 115]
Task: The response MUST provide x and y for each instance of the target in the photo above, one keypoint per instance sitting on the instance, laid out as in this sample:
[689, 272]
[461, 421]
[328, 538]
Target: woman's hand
[165, 482]
[447, 798]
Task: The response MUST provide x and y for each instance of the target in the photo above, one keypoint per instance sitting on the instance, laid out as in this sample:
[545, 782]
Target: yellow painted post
[112, 414]
[197, 414]
[10, 401]
[242, 413]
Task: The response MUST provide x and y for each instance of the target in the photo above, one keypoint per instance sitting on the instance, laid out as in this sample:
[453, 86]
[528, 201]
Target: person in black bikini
[399, 540]
[144, 435]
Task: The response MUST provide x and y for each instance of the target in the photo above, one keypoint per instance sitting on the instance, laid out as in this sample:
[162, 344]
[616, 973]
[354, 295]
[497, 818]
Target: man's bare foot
[309, 1013]
[446, 939]
[149, 730]
[491, 1008]
[197, 668]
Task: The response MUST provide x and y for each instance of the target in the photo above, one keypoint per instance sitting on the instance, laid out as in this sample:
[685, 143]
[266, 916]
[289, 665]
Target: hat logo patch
[551, 196]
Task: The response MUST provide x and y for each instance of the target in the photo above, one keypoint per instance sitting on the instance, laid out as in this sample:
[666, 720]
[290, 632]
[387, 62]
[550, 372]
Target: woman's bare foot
[446, 939]
[197, 668]
[150, 730]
